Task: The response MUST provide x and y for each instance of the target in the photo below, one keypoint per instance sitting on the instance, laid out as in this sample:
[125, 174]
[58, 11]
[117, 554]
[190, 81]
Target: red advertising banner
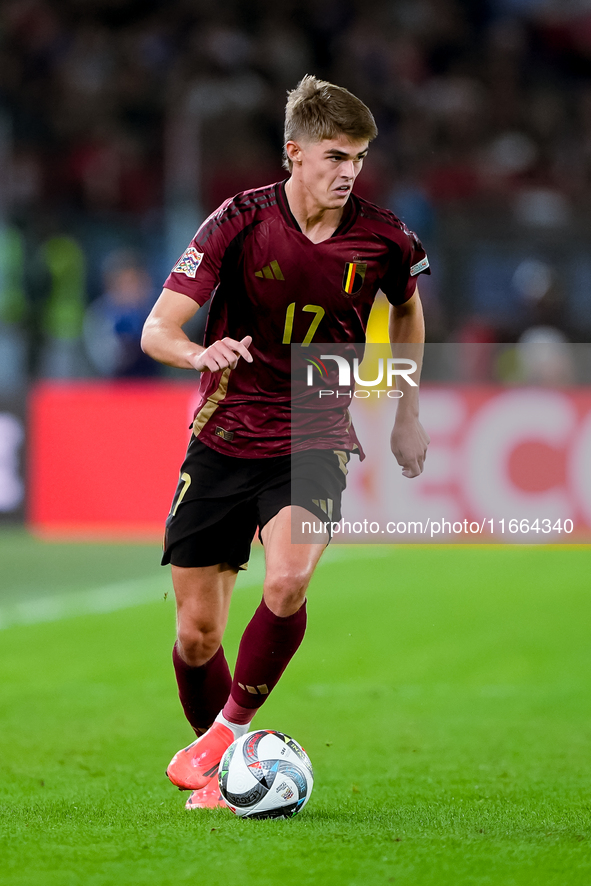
[104, 457]
[505, 464]
[104, 460]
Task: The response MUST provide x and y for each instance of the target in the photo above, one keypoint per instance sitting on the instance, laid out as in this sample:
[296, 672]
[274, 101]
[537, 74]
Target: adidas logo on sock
[262, 689]
[271, 271]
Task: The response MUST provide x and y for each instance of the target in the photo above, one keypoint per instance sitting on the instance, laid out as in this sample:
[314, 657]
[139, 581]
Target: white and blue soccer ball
[266, 774]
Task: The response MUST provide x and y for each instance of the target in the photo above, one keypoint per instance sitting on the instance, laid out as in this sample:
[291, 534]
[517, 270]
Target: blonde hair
[317, 110]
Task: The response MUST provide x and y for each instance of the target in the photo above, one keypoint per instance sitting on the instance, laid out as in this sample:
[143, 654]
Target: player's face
[328, 169]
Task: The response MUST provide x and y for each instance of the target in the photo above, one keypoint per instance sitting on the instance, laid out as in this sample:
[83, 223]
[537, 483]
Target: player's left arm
[408, 440]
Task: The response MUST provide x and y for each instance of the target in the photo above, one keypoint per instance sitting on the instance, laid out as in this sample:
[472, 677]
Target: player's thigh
[203, 594]
[304, 490]
[205, 565]
[288, 566]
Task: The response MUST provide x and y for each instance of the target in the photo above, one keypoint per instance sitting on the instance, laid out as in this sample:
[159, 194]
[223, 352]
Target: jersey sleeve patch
[189, 262]
[420, 266]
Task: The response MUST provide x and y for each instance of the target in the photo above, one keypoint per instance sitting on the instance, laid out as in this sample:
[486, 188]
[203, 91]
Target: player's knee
[197, 644]
[285, 592]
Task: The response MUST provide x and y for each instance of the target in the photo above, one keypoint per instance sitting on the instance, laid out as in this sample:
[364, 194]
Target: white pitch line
[151, 589]
[107, 598]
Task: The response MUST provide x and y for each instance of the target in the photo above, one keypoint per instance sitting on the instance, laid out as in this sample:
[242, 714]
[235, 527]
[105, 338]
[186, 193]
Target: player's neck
[315, 221]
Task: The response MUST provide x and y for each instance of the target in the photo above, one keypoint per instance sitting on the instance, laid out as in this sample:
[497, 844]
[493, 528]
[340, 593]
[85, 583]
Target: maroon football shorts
[220, 500]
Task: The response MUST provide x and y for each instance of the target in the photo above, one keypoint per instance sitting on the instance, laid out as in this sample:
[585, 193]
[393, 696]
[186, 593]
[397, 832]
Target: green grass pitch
[441, 692]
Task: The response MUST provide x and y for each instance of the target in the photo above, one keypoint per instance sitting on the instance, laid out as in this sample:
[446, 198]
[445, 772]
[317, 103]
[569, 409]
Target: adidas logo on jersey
[271, 271]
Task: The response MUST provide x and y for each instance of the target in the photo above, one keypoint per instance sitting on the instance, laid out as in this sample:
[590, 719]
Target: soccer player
[298, 261]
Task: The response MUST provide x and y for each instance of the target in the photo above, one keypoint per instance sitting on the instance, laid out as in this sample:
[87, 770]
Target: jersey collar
[349, 216]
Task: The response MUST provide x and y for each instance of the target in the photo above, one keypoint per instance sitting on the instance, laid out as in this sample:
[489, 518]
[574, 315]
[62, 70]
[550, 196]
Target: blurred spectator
[113, 323]
[538, 286]
[542, 356]
[123, 116]
[410, 202]
[13, 311]
[546, 357]
[474, 360]
[62, 355]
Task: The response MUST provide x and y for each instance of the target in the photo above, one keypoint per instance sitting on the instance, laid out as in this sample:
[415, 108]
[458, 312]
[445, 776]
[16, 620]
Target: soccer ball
[265, 774]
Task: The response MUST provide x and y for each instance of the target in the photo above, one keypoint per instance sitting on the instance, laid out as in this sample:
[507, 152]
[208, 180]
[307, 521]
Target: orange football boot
[193, 767]
[208, 797]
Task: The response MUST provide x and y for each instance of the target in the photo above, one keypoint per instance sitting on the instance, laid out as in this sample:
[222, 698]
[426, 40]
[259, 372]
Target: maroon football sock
[202, 690]
[267, 646]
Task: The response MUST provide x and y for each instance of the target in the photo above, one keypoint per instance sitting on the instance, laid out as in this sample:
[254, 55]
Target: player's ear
[293, 151]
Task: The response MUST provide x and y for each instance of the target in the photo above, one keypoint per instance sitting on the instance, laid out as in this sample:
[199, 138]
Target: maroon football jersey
[269, 280]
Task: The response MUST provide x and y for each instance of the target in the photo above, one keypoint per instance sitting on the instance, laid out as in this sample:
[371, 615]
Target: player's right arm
[164, 340]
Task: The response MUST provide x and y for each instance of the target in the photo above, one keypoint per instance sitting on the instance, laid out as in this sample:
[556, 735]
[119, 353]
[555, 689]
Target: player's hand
[408, 442]
[223, 353]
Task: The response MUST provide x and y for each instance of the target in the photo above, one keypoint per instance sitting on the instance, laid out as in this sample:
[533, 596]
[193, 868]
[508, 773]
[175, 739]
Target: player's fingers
[240, 347]
[246, 343]
[217, 357]
[209, 363]
[412, 468]
[225, 354]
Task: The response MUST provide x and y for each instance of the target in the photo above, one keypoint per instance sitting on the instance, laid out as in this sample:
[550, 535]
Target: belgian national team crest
[353, 276]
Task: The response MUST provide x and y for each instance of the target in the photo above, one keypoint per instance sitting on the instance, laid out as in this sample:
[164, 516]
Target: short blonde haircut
[317, 110]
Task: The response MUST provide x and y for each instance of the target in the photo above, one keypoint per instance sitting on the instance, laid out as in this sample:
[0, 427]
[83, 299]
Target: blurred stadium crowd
[123, 123]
